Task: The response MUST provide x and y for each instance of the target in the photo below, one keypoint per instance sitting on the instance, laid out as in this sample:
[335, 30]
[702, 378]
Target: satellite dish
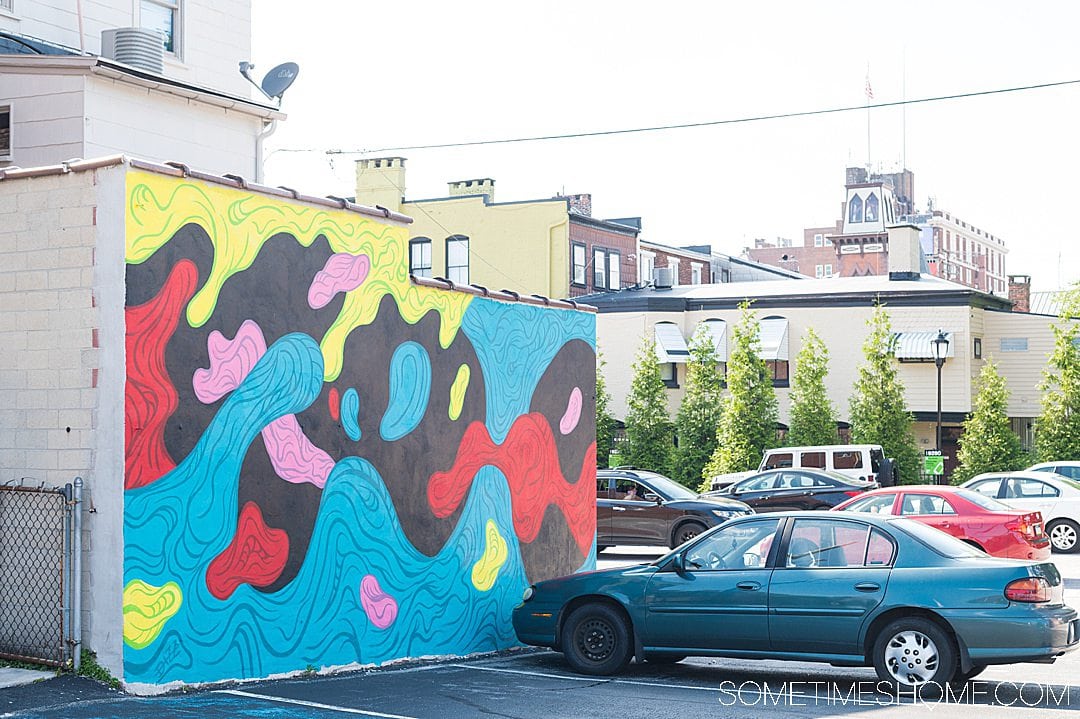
[278, 80]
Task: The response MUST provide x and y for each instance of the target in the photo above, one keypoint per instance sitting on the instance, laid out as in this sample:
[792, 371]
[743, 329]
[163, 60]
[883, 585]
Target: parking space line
[312, 705]
[662, 685]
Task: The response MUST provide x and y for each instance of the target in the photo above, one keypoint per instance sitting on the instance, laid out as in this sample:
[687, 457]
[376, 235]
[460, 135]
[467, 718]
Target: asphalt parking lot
[534, 683]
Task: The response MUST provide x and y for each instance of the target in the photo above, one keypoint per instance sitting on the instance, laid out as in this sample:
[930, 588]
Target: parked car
[982, 522]
[916, 604]
[792, 489]
[858, 461]
[722, 481]
[638, 507]
[1057, 497]
[1064, 468]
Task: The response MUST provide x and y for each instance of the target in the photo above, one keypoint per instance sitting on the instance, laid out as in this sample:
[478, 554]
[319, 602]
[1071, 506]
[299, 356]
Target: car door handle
[868, 586]
[618, 509]
[749, 586]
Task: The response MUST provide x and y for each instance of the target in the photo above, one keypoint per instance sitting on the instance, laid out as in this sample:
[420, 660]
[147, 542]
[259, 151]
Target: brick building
[688, 267]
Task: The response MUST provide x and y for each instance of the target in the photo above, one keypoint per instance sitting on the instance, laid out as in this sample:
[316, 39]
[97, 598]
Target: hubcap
[596, 639]
[686, 535]
[1063, 536]
[912, 658]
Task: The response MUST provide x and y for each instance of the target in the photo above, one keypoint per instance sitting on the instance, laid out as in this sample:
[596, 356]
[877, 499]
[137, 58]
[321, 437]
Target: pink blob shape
[230, 362]
[380, 607]
[341, 273]
[293, 455]
[572, 415]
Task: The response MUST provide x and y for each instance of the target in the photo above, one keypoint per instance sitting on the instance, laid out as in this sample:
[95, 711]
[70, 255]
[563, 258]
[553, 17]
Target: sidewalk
[11, 677]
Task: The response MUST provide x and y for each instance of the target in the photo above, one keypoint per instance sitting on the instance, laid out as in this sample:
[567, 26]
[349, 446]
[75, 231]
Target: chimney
[905, 252]
[483, 186]
[579, 204]
[381, 181]
[1020, 292]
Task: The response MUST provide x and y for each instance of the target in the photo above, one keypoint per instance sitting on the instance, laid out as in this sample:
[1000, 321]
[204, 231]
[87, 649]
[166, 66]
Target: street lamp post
[941, 348]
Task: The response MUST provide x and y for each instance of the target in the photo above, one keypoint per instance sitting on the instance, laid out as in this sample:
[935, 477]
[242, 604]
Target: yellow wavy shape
[496, 552]
[239, 222]
[457, 391]
[146, 610]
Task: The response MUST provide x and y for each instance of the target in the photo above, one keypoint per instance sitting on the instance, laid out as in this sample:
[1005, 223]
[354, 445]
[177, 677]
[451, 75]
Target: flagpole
[869, 95]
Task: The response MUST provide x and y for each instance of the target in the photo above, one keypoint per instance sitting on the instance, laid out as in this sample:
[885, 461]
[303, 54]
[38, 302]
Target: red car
[986, 523]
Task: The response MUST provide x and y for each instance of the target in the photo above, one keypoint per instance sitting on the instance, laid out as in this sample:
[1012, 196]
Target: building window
[695, 273]
[1014, 344]
[819, 240]
[855, 209]
[871, 208]
[420, 256]
[163, 16]
[778, 370]
[821, 271]
[674, 265]
[5, 131]
[6, 5]
[457, 259]
[725, 275]
[578, 264]
[669, 374]
[606, 270]
[977, 349]
[646, 262]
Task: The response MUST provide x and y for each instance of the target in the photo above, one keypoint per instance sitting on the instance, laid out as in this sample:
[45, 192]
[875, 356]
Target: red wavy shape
[149, 395]
[529, 460]
[335, 404]
[256, 556]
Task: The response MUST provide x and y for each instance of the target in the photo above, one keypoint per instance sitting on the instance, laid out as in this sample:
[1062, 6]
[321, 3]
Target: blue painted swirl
[350, 414]
[410, 387]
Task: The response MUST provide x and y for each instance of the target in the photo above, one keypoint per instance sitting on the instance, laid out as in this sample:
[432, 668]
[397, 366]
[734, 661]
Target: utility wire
[710, 123]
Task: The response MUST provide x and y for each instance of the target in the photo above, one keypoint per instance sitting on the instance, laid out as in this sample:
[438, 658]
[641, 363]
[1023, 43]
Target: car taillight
[1031, 589]
[853, 492]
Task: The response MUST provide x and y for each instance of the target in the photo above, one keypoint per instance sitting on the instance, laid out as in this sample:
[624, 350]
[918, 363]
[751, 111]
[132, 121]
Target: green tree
[988, 443]
[879, 414]
[813, 416]
[699, 413]
[649, 432]
[605, 423]
[1057, 430]
[748, 420]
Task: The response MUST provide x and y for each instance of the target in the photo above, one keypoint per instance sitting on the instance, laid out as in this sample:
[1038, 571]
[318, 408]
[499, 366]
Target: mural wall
[326, 464]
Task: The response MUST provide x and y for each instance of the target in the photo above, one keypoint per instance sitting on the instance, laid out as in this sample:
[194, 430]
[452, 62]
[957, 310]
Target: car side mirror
[652, 497]
[678, 563]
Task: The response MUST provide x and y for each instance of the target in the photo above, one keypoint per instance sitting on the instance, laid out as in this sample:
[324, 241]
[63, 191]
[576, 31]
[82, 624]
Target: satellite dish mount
[276, 82]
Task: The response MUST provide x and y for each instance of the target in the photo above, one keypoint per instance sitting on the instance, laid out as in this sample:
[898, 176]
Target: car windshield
[669, 488]
[944, 544]
[981, 500]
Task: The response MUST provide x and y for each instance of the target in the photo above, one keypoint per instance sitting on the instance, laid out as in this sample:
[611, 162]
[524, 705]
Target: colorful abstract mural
[327, 464]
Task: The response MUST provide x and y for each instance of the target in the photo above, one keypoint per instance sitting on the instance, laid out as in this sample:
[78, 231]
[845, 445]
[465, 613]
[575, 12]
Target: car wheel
[1064, 535]
[664, 658]
[685, 532]
[596, 640]
[914, 653]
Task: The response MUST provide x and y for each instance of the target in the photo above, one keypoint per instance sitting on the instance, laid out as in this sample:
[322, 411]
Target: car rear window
[778, 460]
[944, 544]
[981, 500]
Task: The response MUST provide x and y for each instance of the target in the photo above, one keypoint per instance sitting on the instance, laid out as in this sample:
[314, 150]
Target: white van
[858, 461]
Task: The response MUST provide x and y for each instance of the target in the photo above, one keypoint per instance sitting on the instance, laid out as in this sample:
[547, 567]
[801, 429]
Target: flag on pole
[869, 90]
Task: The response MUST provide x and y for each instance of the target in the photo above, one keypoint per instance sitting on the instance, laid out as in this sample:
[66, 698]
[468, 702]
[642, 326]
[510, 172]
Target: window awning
[919, 345]
[670, 344]
[717, 329]
[774, 339]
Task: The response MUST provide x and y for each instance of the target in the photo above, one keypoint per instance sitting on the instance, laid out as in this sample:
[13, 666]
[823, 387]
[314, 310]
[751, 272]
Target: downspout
[567, 267]
[270, 129]
[76, 579]
[79, 14]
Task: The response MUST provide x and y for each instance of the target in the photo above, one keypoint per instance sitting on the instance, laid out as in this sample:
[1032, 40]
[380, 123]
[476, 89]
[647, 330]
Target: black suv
[635, 506]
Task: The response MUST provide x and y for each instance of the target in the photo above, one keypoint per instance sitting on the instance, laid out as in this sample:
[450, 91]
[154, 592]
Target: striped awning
[670, 344]
[920, 345]
[717, 329]
[774, 338]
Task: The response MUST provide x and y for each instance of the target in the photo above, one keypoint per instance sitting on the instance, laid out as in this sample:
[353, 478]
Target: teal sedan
[918, 605]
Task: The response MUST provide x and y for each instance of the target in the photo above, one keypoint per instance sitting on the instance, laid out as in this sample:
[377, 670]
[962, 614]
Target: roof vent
[134, 46]
[662, 278]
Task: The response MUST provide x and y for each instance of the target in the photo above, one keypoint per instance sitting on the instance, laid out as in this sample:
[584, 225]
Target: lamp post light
[941, 349]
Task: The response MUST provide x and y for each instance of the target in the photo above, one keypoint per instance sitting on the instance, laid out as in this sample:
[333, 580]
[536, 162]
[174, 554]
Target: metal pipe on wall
[76, 586]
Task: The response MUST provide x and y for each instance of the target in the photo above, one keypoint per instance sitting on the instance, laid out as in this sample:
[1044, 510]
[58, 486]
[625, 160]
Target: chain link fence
[37, 563]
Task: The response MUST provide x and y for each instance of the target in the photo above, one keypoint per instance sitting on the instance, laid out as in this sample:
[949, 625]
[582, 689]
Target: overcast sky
[381, 75]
